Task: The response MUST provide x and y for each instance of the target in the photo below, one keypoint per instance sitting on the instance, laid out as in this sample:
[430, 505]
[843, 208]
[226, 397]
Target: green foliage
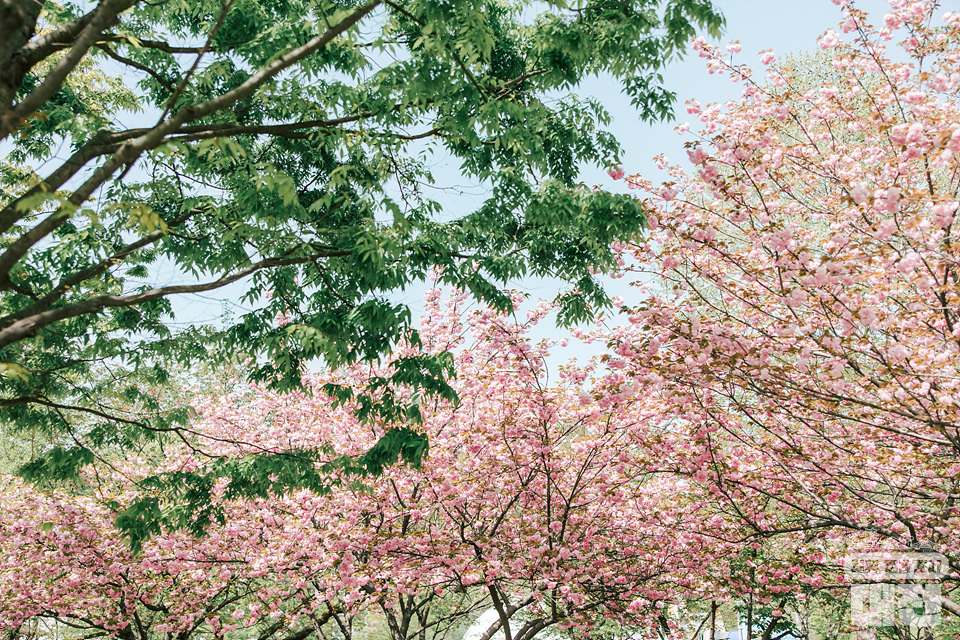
[291, 156]
[186, 499]
[57, 464]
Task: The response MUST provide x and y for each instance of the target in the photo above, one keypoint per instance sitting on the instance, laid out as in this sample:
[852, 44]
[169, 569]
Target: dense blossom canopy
[531, 501]
[802, 339]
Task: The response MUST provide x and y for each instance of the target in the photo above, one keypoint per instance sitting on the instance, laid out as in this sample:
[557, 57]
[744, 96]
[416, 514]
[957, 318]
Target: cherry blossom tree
[534, 500]
[801, 332]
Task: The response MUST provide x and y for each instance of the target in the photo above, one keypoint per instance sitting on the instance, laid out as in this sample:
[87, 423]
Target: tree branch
[202, 131]
[292, 131]
[166, 47]
[66, 284]
[18, 21]
[257, 79]
[446, 45]
[39, 48]
[46, 402]
[12, 213]
[196, 63]
[133, 149]
[949, 605]
[28, 327]
[105, 15]
[136, 65]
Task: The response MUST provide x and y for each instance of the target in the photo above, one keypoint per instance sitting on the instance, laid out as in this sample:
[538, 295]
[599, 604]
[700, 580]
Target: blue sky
[786, 26]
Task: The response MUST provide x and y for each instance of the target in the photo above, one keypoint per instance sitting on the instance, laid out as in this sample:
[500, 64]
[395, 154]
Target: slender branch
[106, 142]
[100, 414]
[160, 45]
[533, 627]
[446, 45]
[495, 626]
[66, 284]
[19, 248]
[13, 213]
[136, 65]
[286, 60]
[196, 63]
[226, 129]
[293, 132]
[501, 611]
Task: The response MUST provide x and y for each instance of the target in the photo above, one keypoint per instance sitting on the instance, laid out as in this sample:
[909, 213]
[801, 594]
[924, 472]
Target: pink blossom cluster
[803, 341]
[532, 494]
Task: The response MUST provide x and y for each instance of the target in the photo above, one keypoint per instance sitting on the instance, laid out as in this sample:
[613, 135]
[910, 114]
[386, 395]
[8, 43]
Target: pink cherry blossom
[802, 345]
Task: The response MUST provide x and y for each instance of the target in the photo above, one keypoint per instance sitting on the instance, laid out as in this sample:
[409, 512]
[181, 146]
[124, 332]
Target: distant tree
[159, 149]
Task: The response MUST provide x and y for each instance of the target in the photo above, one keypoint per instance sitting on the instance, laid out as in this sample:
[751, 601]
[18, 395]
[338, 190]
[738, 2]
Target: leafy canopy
[285, 147]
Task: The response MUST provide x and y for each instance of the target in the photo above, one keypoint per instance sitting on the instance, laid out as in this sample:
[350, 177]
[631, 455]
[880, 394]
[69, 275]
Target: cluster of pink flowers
[802, 341]
[533, 493]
